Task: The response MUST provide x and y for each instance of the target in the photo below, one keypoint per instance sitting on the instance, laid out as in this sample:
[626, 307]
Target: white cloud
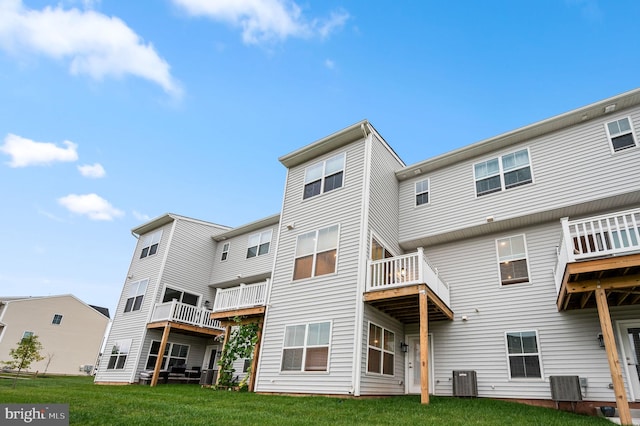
[141, 216]
[91, 205]
[264, 20]
[329, 64]
[25, 152]
[95, 171]
[96, 44]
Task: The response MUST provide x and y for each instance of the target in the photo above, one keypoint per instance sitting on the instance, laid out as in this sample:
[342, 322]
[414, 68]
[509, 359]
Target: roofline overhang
[590, 112]
[168, 218]
[249, 227]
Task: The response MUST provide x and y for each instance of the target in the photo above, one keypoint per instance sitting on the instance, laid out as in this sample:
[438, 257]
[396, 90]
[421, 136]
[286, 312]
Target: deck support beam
[612, 356]
[254, 360]
[227, 334]
[424, 345]
[163, 345]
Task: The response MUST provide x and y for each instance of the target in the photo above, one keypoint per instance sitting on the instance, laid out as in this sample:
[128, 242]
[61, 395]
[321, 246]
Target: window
[27, 334]
[621, 134]
[306, 347]
[225, 252]
[259, 244]
[381, 351]
[324, 176]
[498, 174]
[524, 356]
[136, 294]
[174, 354]
[316, 253]
[422, 192]
[119, 353]
[57, 319]
[150, 244]
[180, 296]
[512, 256]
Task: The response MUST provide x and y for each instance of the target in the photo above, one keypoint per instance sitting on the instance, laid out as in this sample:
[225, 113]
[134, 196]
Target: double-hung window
[620, 134]
[306, 347]
[422, 192]
[181, 296]
[324, 176]
[316, 253]
[174, 354]
[523, 354]
[150, 244]
[57, 319]
[259, 243]
[381, 351]
[225, 252]
[512, 257]
[119, 352]
[136, 295]
[501, 173]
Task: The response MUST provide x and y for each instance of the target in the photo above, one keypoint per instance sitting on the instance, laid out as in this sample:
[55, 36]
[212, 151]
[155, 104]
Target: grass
[91, 404]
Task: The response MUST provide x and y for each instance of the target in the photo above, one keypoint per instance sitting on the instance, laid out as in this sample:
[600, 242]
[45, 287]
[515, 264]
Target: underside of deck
[244, 314]
[182, 328]
[403, 304]
[619, 276]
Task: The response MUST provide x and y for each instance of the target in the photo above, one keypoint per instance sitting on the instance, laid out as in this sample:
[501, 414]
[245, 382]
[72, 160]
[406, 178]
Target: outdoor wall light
[404, 347]
[600, 340]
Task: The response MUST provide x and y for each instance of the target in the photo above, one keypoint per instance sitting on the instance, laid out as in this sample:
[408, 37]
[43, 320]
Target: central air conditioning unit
[465, 383]
[565, 389]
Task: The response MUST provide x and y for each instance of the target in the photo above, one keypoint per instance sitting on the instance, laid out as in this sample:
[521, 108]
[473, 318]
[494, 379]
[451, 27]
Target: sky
[115, 112]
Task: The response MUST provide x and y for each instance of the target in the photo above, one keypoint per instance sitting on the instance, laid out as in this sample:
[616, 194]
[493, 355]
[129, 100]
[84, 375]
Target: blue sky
[115, 112]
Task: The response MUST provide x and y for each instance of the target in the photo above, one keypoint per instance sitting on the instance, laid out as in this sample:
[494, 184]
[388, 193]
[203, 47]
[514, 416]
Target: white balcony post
[567, 240]
[421, 264]
[172, 312]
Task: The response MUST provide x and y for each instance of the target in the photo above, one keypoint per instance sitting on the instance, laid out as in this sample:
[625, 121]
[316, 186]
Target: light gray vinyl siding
[378, 384]
[325, 298]
[571, 166]
[237, 262]
[567, 340]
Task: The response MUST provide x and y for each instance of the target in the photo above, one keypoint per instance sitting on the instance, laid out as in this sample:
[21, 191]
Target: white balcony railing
[598, 236]
[405, 270]
[181, 312]
[242, 296]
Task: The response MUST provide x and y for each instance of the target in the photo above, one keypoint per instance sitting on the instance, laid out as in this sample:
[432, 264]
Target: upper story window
[316, 253]
[57, 319]
[225, 252]
[512, 257]
[620, 134]
[422, 192]
[150, 243]
[119, 352]
[136, 294]
[324, 176]
[259, 243]
[180, 296]
[381, 350]
[306, 347]
[500, 173]
[523, 354]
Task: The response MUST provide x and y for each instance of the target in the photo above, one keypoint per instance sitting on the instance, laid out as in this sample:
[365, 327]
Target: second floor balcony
[241, 300]
[600, 251]
[393, 284]
[183, 316]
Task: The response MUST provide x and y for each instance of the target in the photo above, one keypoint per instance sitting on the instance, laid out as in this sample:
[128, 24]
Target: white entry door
[629, 333]
[413, 365]
[211, 356]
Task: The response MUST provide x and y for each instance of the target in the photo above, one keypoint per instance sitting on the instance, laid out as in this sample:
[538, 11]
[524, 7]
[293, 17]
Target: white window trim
[304, 348]
[143, 294]
[227, 245]
[119, 354]
[169, 346]
[26, 334]
[428, 192]
[315, 255]
[539, 354]
[149, 240]
[526, 257]
[183, 290]
[382, 350]
[631, 131]
[501, 172]
[375, 236]
[260, 242]
[323, 175]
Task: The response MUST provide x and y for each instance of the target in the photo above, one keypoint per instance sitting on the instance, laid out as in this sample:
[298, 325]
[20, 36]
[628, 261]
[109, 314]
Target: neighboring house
[514, 259]
[71, 332]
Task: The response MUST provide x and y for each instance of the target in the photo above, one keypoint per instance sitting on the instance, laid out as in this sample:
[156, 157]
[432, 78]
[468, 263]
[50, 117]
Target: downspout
[362, 265]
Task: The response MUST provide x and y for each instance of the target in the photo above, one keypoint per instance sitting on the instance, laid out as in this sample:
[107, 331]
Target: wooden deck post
[254, 360]
[163, 344]
[227, 333]
[612, 356]
[424, 345]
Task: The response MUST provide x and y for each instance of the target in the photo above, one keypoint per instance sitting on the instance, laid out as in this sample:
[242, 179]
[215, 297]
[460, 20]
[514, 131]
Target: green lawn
[190, 404]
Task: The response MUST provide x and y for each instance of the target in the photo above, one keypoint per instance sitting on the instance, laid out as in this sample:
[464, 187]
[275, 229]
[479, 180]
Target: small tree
[27, 351]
